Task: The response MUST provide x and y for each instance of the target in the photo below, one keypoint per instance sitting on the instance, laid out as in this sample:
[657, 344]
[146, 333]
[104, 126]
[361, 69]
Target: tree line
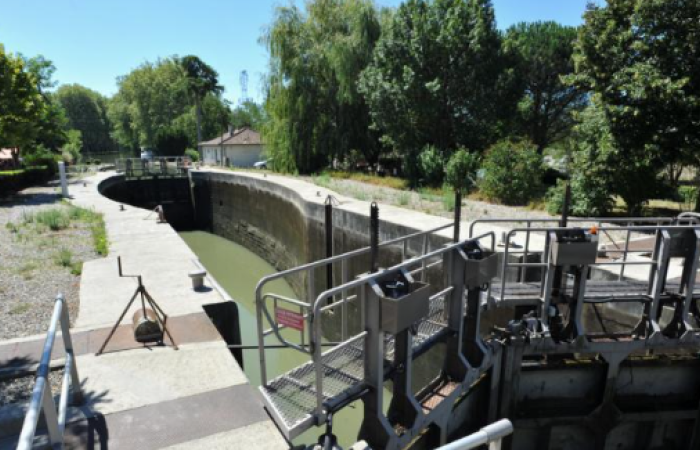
[169, 105]
[616, 100]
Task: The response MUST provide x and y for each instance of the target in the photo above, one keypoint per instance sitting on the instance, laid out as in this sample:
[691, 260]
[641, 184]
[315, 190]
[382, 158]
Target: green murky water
[238, 270]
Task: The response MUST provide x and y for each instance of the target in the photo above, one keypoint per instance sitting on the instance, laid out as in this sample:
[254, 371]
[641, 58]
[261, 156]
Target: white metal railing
[342, 300]
[321, 304]
[42, 398]
[491, 435]
[176, 166]
[652, 262]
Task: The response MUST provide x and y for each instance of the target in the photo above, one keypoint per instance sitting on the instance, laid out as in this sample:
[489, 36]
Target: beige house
[240, 148]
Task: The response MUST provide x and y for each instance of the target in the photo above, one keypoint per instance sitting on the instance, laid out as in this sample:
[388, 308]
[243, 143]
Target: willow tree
[315, 111]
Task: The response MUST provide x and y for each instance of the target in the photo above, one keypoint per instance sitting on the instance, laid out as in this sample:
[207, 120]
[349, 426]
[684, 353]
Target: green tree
[71, 149]
[601, 170]
[86, 111]
[153, 100]
[439, 77]
[460, 171]
[543, 54]
[641, 60]
[202, 80]
[315, 111]
[20, 104]
[513, 172]
[248, 114]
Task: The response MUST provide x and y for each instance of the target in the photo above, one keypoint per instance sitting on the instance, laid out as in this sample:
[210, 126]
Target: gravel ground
[19, 390]
[31, 277]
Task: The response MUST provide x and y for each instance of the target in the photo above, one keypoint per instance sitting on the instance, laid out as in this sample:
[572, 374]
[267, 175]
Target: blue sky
[91, 42]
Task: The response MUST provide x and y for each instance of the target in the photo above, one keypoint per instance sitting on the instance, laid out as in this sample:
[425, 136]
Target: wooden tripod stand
[158, 312]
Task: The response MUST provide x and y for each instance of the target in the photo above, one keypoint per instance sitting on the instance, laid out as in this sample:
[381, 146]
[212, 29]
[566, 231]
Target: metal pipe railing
[547, 230]
[42, 398]
[317, 338]
[491, 435]
[261, 309]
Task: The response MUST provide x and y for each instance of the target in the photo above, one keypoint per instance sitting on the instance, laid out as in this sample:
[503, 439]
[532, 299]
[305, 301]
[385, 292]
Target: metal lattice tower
[244, 86]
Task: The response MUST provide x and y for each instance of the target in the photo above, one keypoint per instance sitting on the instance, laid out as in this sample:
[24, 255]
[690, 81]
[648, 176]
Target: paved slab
[187, 329]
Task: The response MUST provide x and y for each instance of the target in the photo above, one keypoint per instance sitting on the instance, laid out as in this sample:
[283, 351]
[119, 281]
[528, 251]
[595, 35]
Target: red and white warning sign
[289, 318]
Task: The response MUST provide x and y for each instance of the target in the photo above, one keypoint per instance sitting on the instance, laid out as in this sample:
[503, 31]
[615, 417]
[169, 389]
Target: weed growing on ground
[64, 258]
[404, 198]
[20, 308]
[54, 219]
[448, 200]
[76, 269]
[12, 227]
[26, 269]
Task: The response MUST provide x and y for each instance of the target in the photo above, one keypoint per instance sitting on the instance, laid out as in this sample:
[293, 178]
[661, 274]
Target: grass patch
[20, 308]
[389, 182]
[404, 198]
[53, 219]
[64, 258]
[76, 268]
[12, 227]
[448, 200]
[26, 270]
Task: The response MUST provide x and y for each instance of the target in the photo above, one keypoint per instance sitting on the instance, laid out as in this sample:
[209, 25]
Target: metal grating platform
[291, 397]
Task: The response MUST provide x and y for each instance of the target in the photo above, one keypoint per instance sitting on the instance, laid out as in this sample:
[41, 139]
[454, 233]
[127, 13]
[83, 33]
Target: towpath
[140, 397]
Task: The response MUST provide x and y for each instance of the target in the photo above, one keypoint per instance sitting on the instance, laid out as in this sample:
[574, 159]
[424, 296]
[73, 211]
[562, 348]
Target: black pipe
[374, 237]
[458, 213]
[329, 242]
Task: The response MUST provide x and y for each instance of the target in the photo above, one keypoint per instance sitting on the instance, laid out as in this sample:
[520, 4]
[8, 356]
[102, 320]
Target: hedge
[16, 180]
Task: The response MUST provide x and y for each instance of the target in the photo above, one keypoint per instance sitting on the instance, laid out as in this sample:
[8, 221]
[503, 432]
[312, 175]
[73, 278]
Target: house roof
[5, 153]
[243, 136]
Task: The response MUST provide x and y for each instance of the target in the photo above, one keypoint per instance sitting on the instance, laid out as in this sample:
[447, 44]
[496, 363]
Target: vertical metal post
[624, 254]
[344, 306]
[64, 180]
[76, 390]
[425, 251]
[329, 242]
[458, 213]
[523, 274]
[374, 237]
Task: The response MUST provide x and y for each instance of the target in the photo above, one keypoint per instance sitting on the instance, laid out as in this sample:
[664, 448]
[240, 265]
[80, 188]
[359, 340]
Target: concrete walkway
[140, 397]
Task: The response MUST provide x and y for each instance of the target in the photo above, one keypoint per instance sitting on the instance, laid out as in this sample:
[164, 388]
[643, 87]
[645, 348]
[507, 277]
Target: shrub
[689, 196]
[432, 166]
[460, 172]
[192, 154]
[512, 173]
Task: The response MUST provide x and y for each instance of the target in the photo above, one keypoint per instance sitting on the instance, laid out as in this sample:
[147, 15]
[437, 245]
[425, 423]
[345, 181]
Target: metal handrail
[316, 336]
[657, 220]
[491, 435]
[640, 228]
[42, 398]
[262, 312]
